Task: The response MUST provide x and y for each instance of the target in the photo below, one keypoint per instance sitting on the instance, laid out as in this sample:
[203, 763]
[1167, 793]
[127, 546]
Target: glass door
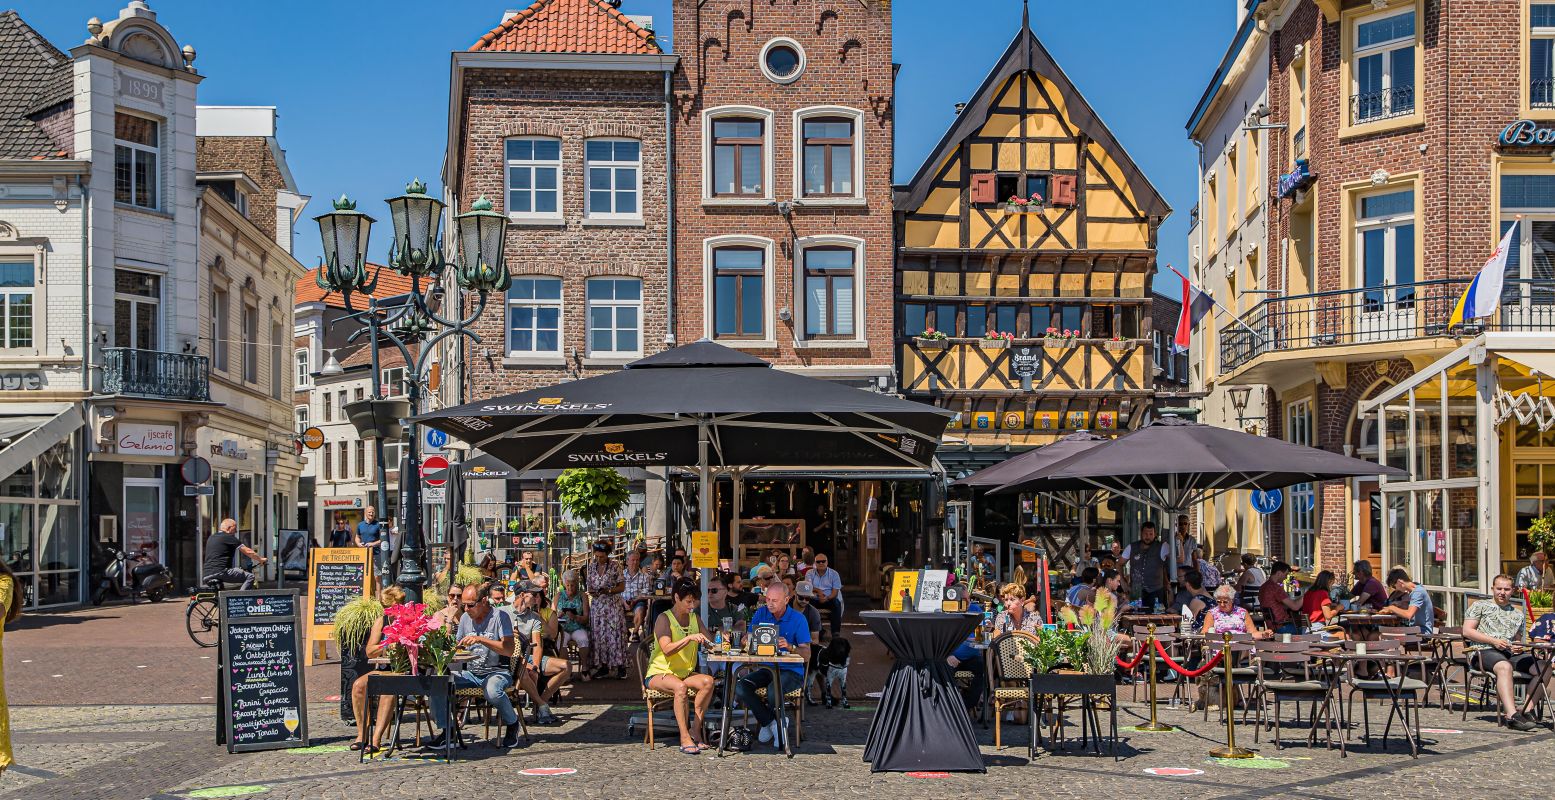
[136, 310]
[1528, 294]
[143, 518]
[1385, 246]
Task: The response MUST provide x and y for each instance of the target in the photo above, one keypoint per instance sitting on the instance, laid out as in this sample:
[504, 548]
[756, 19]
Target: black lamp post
[412, 317]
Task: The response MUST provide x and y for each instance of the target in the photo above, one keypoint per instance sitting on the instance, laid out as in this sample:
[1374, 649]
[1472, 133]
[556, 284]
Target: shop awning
[25, 437]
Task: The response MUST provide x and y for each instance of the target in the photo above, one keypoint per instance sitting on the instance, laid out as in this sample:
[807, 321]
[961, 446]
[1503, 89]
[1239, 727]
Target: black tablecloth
[921, 723]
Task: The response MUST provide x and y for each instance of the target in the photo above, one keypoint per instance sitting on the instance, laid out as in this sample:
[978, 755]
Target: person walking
[10, 609]
[605, 585]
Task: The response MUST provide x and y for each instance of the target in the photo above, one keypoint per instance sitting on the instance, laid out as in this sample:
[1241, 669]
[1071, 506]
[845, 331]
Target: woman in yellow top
[672, 665]
[10, 609]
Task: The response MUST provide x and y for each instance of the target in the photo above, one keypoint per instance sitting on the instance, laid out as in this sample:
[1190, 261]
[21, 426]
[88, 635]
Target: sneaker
[1522, 722]
[601, 673]
[620, 673]
[510, 736]
[767, 733]
[775, 743]
[546, 718]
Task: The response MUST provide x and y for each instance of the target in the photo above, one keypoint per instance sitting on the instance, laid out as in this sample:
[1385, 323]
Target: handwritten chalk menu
[336, 576]
[263, 706]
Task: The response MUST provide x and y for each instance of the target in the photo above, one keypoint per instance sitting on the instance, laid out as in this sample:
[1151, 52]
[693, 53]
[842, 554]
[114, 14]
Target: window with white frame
[615, 316]
[830, 291]
[534, 177]
[535, 317]
[739, 157]
[361, 459]
[250, 344]
[137, 310]
[1383, 67]
[304, 361]
[739, 293]
[613, 167]
[136, 155]
[329, 407]
[1541, 55]
[827, 159]
[1299, 516]
[277, 372]
[327, 461]
[219, 329]
[392, 453]
[392, 382]
[301, 413]
[1385, 245]
[345, 461]
[16, 302]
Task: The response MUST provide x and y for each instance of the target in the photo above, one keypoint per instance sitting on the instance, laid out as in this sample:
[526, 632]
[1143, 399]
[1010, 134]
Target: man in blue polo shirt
[793, 634]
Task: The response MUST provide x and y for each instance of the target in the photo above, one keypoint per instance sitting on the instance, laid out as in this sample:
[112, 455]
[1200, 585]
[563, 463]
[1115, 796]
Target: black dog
[830, 663]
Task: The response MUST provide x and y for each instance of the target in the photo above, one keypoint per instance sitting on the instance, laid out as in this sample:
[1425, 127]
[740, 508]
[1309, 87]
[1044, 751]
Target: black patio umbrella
[698, 405]
[1173, 464]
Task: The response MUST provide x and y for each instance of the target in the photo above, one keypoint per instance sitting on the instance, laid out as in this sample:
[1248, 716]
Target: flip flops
[691, 750]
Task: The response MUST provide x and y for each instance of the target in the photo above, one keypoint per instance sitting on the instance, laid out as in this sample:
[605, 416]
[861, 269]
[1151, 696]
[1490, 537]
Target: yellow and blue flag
[1484, 293]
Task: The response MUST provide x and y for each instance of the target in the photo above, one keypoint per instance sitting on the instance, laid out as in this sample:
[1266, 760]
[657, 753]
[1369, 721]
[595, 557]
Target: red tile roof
[390, 283]
[569, 26]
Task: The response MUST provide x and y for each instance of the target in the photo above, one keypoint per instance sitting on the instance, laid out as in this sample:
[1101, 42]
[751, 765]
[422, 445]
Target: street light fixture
[410, 318]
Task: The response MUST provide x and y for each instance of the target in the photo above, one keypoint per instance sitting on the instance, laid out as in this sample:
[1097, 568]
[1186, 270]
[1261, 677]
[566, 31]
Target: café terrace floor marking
[1173, 772]
[228, 791]
[547, 772]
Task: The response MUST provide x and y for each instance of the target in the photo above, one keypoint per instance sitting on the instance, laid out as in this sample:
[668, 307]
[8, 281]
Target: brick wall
[848, 54]
[251, 156]
[572, 105]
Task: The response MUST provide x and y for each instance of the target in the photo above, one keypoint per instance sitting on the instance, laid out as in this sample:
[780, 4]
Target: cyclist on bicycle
[219, 552]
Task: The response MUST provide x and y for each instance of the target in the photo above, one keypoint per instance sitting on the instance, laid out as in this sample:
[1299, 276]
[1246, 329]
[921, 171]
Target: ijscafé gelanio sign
[147, 438]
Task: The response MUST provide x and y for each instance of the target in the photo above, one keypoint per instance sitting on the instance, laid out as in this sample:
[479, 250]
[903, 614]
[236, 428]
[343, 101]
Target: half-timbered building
[1025, 252]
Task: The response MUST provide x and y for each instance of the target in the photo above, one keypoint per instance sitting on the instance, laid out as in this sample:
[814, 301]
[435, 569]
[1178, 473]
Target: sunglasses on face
[820, 562]
[472, 605]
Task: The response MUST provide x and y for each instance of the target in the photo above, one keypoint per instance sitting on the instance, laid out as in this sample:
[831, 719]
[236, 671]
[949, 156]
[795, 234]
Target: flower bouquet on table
[417, 645]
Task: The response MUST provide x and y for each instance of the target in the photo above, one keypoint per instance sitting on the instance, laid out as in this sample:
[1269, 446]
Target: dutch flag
[1195, 304]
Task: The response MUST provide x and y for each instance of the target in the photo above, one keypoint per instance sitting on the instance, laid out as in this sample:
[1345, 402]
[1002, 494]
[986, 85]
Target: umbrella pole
[704, 500]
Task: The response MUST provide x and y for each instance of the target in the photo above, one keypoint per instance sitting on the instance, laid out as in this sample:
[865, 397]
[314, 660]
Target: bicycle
[203, 617]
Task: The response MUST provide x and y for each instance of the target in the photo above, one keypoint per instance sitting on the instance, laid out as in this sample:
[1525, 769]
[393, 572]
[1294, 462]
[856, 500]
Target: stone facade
[573, 106]
[846, 66]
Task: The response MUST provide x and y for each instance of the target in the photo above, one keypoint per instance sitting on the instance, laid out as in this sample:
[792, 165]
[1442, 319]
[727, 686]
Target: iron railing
[1298, 143]
[1386, 104]
[149, 373]
[1541, 93]
[1376, 315]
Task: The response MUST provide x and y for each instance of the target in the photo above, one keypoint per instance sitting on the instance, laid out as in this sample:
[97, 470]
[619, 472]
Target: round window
[782, 60]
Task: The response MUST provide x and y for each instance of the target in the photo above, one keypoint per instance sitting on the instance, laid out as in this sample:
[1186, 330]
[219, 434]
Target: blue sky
[362, 88]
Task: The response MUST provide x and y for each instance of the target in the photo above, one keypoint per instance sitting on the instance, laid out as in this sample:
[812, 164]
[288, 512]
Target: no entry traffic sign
[434, 470]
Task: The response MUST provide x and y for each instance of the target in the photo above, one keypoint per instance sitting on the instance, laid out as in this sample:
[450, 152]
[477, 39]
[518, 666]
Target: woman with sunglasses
[1228, 617]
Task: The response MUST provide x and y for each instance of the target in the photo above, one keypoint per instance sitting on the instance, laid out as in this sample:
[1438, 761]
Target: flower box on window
[994, 340]
[1119, 344]
[932, 340]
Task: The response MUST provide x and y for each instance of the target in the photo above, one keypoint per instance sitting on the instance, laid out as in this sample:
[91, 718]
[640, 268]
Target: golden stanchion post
[1154, 726]
[1230, 750]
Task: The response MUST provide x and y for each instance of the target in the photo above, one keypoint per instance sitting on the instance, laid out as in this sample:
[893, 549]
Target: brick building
[1409, 135]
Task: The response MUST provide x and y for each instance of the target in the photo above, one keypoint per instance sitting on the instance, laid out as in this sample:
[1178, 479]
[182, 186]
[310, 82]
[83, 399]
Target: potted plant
[1058, 338]
[515, 525]
[1540, 602]
[932, 339]
[1541, 532]
[1117, 343]
[994, 340]
[1020, 205]
[592, 494]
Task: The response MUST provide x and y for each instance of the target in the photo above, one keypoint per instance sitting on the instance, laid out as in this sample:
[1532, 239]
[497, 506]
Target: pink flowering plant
[1062, 333]
[412, 637]
[1034, 202]
[996, 336]
[930, 333]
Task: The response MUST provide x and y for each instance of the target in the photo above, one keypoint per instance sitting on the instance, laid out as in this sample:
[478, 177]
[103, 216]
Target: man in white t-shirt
[827, 584]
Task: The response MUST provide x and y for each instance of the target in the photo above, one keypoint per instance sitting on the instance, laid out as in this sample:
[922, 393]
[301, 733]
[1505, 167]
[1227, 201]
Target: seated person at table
[1414, 606]
[1497, 631]
[1368, 592]
[388, 596]
[1228, 617]
[1319, 609]
[530, 632]
[828, 591]
[677, 636]
[526, 569]
[488, 634]
[793, 634]
[1018, 614]
[721, 601]
[803, 595]
[968, 658]
[497, 593]
[1194, 598]
[1276, 602]
[639, 587]
[677, 571]
[448, 616]
[1087, 579]
[571, 606]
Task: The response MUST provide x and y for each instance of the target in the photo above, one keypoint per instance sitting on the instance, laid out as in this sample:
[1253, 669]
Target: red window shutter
[1063, 190]
[983, 188]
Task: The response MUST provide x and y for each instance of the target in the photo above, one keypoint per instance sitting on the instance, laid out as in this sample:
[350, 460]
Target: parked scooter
[148, 577]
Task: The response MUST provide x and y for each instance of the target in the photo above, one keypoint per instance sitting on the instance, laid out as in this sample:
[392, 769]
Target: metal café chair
[1287, 671]
[1399, 689]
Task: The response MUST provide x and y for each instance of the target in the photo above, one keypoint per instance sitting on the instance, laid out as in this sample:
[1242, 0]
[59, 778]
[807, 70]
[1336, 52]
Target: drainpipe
[669, 194]
[83, 485]
[86, 294]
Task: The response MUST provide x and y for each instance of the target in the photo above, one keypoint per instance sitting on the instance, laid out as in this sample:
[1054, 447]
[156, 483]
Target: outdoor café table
[1128, 620]
[732, 662]
[1402, 660]
[401, 686]
[921, 723]
[1364, 627]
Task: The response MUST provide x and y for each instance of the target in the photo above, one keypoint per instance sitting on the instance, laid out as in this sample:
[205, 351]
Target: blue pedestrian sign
[436, 439]
[1267, 502]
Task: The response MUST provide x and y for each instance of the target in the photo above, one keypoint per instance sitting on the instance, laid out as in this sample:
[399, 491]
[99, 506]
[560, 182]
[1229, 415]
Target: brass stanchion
[1154, 726]
[1230, 750]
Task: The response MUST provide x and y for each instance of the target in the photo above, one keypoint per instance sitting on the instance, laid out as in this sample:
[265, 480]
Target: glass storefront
[40, 526]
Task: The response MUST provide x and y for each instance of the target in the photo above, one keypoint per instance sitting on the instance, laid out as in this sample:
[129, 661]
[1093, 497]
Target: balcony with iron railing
[1541, 93]
[1376, 315]
[1298, 143]
[151, 373]
[1367, 107]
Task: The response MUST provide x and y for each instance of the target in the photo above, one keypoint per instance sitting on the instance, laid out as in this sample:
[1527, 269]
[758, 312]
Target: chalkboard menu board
[263, 706]
[334, 585]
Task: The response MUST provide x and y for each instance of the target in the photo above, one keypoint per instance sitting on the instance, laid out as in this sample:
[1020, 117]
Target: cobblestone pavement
[168, 751]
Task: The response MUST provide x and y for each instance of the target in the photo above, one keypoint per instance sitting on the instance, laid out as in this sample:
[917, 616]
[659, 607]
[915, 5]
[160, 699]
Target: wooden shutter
[1063, 190]
[982, 190]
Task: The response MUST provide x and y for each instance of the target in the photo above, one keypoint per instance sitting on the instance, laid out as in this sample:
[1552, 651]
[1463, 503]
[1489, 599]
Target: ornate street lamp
[413, 317]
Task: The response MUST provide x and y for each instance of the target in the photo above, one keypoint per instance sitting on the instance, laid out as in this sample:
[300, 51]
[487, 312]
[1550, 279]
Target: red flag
[1195, 304]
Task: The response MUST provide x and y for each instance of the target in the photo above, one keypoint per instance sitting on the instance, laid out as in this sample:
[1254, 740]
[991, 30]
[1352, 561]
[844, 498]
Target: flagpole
[1216, 303]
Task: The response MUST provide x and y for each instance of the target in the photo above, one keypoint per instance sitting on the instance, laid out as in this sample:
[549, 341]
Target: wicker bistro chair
[793, 700]
[1287, 672]
[467, 698]
[1009, 679]
[652, 698]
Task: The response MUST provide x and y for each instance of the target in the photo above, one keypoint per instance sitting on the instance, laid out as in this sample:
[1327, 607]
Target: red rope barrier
[1184, 671]
[1138, 657]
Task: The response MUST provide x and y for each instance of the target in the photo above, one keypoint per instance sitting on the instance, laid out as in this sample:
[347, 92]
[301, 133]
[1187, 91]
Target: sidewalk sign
[336, 576]
[262, 703]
